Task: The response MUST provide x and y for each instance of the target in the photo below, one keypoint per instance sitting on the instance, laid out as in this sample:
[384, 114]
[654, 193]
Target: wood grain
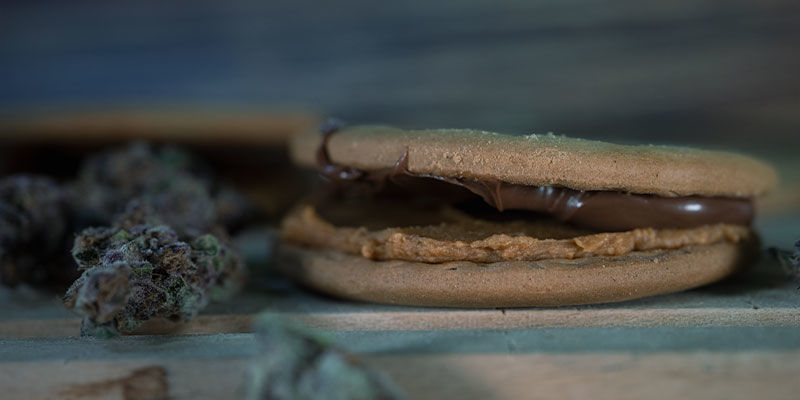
[702, 375]
[521, 365]
[438, 320]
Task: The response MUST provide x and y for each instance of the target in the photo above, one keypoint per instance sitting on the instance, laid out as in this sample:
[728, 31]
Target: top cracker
[545, 160]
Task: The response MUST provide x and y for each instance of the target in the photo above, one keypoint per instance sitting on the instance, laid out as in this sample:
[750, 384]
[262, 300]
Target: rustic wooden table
[735, 339]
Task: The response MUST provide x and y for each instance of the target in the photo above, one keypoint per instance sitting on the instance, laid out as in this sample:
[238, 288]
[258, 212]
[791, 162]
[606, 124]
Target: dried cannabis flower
[167, 251]
[132, 275]
[166, 181]
[34, 232]
[295, 363]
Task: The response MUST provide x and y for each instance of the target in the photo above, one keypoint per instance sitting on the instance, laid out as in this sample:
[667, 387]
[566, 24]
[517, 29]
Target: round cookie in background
[176, 124]
[449, 264]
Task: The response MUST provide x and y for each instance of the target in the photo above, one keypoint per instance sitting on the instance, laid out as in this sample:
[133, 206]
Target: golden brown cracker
[545, 160]
[554, 282]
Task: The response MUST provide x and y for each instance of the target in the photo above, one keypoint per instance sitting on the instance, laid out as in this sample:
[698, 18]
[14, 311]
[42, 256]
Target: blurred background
[716, 73]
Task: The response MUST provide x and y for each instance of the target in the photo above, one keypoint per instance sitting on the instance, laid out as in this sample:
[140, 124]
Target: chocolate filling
[600, 210]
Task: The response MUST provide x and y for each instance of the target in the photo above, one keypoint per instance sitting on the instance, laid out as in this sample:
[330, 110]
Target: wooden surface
[686, 71]
[736, 339]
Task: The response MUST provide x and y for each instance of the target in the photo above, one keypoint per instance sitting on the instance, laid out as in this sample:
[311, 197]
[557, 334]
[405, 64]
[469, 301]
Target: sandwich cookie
[466, 218]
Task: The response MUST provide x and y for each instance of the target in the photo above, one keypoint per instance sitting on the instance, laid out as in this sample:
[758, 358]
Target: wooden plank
[440, 320]
[494, 341]
[71, 128]
[186, 379]
[682, 71]
[703, 375]
[745, 375]
[548, 363]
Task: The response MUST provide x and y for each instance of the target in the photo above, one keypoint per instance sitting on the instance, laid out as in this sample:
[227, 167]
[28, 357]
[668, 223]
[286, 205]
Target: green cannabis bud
[34, 232]
[133, 274]
[293, 362]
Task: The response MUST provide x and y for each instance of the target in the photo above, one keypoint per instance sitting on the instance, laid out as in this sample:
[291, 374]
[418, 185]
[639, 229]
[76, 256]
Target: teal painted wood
[682, 71]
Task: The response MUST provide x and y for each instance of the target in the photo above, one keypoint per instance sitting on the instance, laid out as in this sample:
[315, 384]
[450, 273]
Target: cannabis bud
[790, 261]
[34, 232]
[293, 362]
[145, 271]
[166, 181]
[166, 251]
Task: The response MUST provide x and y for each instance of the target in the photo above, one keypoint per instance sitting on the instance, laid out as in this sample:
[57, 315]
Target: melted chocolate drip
[600, 210]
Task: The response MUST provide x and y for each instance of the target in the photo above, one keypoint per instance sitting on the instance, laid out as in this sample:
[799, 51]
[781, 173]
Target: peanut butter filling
[463, 238]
